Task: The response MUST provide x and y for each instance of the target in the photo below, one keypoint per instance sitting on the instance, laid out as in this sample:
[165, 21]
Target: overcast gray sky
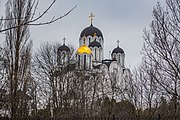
[122, 20]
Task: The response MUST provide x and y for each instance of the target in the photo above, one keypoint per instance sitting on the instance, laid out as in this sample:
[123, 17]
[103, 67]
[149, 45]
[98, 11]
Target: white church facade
[89, 58]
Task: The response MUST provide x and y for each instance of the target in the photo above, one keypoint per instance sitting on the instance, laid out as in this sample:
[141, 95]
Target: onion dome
[84, 49]
[90, 31]
[64, 47]
[95, 44]
[118, 49]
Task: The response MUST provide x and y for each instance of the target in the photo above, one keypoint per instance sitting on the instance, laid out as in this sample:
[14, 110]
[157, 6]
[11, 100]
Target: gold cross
[64, 40]
[118, 42]
[91, 17]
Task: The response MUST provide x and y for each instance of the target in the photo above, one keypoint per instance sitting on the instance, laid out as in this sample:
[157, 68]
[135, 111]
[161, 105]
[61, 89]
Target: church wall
[84, 61]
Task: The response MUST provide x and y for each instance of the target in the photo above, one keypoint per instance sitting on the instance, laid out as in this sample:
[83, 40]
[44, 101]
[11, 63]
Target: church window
[99, 40]
[90, 62]
[84, 62]
[95, 54]
[99, 54]
[114, 56]
[78, 61]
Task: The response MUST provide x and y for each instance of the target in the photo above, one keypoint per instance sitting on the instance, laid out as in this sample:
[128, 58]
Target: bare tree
[33, 19]
[162, 48]
[151, 90]
[3, 83]
[45, 63]
[55, 81]
[2, 64]
[18, 55]
[20, 14]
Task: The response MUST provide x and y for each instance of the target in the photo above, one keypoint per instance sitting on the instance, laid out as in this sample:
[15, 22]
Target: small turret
[118, 55]
[63, 54]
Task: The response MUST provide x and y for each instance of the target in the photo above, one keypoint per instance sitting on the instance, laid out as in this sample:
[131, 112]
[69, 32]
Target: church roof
[64, 48]
[108, 62]
[90, 31]
[95, 44]
[84, 49]
[118, 50]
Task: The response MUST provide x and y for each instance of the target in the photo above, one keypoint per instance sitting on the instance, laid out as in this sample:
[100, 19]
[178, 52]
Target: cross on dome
[64, 40]
[91, 17]
[118, 42]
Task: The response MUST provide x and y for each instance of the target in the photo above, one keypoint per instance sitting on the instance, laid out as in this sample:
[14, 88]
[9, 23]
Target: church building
[89, 57]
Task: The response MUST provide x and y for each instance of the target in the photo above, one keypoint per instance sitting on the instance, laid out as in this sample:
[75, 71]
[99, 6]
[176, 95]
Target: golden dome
[84, 49]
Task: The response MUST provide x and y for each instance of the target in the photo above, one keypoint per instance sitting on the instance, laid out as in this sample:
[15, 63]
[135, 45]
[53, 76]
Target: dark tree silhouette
[31, 18]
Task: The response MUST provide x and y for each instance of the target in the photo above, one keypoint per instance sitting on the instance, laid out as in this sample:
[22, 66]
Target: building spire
[91, 17]
[64, 40]
[118, 42]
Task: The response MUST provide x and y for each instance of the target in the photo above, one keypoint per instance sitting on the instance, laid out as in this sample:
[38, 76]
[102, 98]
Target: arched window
[114, 56]
[95, 53]
[79, 61]
[84, 62]
[90, 62]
